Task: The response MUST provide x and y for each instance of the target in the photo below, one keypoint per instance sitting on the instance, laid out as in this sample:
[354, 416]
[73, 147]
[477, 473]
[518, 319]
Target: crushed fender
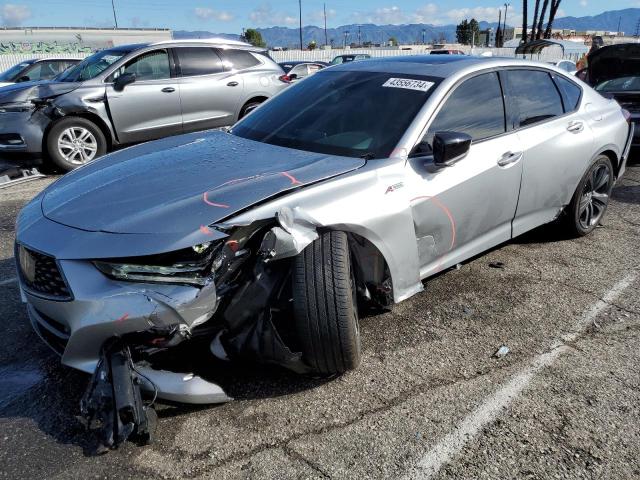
[112, 407]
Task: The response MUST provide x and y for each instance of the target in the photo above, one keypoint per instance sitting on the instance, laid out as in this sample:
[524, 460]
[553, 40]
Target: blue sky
[232, 16]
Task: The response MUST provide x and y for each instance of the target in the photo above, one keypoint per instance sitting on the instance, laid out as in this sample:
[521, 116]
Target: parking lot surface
[430, 399]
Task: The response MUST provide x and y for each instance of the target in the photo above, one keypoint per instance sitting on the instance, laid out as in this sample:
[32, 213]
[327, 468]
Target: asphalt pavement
[430, 399]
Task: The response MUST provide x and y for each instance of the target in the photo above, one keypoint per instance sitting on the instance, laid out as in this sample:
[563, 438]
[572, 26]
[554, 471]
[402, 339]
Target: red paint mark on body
[294, 180]
[206, 230]
[213, 204]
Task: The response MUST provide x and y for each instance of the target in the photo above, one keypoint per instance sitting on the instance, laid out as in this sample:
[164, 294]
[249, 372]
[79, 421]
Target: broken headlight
[190, 266]
[16, 107]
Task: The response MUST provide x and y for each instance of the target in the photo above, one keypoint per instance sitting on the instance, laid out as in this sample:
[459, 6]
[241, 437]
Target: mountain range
[629, 20]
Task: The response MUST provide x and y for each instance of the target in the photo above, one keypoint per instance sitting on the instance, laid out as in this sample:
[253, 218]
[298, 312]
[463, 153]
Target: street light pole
[326, 41]
[300, 5]
[115, 19]
[506, 9]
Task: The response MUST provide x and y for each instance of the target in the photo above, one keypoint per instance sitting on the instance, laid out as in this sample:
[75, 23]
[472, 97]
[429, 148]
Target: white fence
[549, 54]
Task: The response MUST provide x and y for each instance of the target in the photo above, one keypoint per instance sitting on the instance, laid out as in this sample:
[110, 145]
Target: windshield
[11, 75]
[622, 84]
[354, 114]
[92, 66]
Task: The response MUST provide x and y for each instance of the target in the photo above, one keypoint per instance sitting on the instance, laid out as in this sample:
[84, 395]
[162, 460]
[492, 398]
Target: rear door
[556, 140]
[149, 108]
[210, 90]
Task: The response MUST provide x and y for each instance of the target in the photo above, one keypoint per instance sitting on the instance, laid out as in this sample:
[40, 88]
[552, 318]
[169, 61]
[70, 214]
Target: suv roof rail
[214, 40]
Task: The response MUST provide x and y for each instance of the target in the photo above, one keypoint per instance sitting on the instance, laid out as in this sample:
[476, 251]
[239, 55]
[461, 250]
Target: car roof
[300, 62]
[63, 59]
[433, 65]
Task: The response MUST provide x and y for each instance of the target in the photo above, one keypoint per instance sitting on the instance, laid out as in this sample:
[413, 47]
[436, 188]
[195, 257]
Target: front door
[462, 210]
[148, 108]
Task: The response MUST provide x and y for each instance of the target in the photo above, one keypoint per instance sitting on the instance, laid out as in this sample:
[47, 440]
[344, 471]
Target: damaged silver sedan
[346, 190]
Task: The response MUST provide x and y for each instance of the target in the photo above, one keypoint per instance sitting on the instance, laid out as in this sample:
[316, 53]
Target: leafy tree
[393, 41]
[312, 45]
[254, 37]
[467, 31]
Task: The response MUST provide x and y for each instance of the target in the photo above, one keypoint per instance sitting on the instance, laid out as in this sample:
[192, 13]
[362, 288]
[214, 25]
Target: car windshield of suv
[11, 75]
[92, 66]
[354, 114]
[622, 84]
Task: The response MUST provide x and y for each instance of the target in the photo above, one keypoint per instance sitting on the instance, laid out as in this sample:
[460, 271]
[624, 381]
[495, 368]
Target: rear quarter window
[239, 59]
[571, 93]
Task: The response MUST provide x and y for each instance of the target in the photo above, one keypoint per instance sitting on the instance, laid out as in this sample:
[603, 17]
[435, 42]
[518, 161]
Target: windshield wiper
[368, 156]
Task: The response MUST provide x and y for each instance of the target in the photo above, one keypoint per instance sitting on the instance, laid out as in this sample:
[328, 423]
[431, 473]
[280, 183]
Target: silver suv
[134, 93]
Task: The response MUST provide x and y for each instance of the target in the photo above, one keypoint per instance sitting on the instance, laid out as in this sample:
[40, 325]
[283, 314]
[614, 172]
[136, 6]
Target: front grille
[47, 280]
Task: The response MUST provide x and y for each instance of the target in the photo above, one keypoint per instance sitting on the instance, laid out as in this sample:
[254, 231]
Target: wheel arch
[92, 117]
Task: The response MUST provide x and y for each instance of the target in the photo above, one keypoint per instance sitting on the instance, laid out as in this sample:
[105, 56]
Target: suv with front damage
[263, 243]
[134, 93]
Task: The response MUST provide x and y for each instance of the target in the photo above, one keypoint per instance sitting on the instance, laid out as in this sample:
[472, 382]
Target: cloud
[13, 15]
[584, 3]
[205, 13]
[264, 15]
[429, 13]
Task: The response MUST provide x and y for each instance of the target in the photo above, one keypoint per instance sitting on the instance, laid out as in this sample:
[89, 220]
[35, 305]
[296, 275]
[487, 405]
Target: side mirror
[123, 80]
[583, 75]
[450, 147]
[24, 78]
[293, 76]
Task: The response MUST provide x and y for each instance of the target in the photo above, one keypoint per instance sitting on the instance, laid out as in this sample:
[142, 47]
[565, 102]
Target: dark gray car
[134, 93]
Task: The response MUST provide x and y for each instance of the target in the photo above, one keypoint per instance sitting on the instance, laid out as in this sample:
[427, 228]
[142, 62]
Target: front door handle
[575, 127]
[509, 158]
[168, 90]
[232, 84]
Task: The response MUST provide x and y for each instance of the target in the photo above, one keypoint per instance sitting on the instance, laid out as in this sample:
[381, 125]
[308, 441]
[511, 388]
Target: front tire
[324, 304]
[591, 198]
[248, 108]
[74, 141]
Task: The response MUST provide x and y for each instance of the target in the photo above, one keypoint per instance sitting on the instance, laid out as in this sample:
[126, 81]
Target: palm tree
[535, 20]
[552, 16]
[545, 5]
[524, 20]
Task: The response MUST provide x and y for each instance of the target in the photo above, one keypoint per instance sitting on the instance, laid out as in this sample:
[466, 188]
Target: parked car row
[134, 93]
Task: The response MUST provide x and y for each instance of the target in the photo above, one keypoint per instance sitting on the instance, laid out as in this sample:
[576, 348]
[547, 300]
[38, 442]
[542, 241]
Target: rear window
[195, 61]
[571, 93]
[240, 59]
[534, 96]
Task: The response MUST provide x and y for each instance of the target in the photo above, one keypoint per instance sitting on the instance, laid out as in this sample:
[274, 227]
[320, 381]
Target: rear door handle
[509, 158]
[168, 90]
[575, 127]
[232, 84]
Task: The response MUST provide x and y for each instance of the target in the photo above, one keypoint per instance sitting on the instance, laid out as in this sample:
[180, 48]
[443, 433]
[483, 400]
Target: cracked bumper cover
[103, 308]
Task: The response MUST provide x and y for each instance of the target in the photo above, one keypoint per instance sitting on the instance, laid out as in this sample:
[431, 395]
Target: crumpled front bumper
[102, 308]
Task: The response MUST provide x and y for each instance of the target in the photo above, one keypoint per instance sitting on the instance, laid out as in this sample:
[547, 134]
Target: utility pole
[326, 41]
[424, 32]
[499, 31]
[300, 5]
[619, 21]
[115, 19]
[506, 9]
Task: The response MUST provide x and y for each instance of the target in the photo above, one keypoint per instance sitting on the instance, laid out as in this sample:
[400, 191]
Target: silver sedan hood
[180, 184]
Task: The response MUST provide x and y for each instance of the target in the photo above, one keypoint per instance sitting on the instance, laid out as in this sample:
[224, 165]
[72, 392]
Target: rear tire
[248, 108]
[591, 198]
[324, 303]
[74, 141]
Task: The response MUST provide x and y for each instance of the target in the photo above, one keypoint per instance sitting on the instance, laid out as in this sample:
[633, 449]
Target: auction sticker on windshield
[409, 84]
